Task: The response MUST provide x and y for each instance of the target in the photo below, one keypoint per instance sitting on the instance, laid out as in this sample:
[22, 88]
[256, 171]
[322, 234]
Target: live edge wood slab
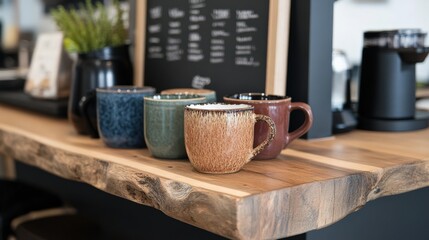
[310, 186]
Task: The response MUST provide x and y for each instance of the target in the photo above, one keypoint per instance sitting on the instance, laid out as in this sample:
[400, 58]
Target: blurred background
[21, 21]
[353, 17]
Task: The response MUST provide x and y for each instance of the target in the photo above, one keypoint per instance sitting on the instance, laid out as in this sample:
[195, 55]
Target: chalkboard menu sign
[222, 45]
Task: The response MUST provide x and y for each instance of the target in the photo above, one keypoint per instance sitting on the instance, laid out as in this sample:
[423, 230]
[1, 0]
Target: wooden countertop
[311, 185]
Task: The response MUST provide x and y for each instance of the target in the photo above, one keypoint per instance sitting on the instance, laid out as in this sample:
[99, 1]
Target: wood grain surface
[309, 186]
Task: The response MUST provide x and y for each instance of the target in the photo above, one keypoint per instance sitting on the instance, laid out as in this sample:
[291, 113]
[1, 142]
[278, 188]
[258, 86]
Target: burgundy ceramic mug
[278, 108]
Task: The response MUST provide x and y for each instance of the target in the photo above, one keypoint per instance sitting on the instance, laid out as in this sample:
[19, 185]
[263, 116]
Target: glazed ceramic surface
[163, 124]
[120, 115]
[104, 67]
[279, 109]
[209, 94]
[219, 137]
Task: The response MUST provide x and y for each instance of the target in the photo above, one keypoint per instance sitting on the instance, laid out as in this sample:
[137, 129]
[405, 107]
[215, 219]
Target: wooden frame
[139, 42]
[277, 49]
[278, 38]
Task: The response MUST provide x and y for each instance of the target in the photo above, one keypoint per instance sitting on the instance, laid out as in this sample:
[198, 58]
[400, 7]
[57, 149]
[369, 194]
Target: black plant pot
[105, 67]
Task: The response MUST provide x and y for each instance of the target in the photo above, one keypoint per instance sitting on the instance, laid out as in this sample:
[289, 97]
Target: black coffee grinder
[387, 91]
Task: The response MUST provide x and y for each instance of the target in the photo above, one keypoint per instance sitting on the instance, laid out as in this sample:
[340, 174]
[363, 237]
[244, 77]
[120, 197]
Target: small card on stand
[50, 69]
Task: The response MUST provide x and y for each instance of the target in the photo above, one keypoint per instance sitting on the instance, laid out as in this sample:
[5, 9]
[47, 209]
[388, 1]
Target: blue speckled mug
[120, 115]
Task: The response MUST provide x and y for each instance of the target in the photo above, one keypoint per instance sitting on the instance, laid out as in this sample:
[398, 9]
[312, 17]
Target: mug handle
[270, 135]
[305, 126]
[83, 108]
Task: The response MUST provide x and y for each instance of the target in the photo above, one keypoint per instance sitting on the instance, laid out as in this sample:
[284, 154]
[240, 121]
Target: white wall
[30, 14]
[353, 17]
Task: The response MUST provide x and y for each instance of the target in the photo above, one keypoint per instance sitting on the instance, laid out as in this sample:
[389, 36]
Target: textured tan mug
[219, 137]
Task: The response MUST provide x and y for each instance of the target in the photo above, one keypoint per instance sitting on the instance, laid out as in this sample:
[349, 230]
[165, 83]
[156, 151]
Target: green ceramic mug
[163, 124]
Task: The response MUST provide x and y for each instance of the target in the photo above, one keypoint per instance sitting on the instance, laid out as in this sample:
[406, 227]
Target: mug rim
[126, 89]
[198, 107]
[235, 97]
[197, 91]
[165, 97]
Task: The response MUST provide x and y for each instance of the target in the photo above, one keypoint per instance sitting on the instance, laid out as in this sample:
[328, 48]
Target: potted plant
[103, 60]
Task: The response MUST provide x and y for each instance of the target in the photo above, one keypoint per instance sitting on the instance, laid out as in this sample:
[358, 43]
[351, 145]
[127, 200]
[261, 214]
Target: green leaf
[90, 27]
[70, 45]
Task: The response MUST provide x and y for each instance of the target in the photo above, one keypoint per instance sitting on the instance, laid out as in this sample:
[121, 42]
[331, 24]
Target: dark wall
[309, 77]
[399, 217]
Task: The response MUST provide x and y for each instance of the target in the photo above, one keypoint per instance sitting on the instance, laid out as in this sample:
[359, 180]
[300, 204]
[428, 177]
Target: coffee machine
[343, 117]
[387, 89]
